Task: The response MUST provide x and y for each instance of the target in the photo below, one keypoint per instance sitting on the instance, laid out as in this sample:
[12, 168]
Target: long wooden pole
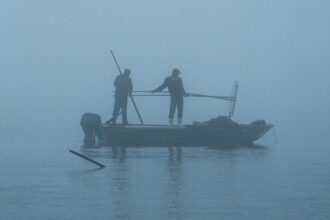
[232, 106]
[86, 158]
[228, 98]
[150, 91]
[136, 109]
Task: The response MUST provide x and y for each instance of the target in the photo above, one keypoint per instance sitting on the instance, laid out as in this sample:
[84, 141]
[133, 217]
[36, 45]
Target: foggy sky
[55, 60]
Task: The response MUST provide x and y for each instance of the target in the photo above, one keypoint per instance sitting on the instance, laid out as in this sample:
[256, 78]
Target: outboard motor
[91, 125]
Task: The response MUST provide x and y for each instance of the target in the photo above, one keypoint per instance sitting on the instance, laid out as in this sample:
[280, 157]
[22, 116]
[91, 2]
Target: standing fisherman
[175, 87]
[124, 86]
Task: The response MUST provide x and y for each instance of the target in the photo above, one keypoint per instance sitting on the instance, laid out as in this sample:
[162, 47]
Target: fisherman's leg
[124, 109]
[172, 110]
[115, 110]
[180, 109]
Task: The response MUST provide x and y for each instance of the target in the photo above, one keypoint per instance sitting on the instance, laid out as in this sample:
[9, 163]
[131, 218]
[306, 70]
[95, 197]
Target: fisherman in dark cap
[124, 86]
[176, 90]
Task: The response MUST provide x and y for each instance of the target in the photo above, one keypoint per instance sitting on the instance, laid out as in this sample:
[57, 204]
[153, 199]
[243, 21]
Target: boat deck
[137, 126]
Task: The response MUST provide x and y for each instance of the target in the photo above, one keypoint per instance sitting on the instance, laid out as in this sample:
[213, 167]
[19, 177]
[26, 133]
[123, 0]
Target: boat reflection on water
[119, 152]
[175, 183]
[167, 180]
[174, 155]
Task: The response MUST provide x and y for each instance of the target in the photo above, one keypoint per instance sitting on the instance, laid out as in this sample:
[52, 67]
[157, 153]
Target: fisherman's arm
[160, 88]
[183, 90]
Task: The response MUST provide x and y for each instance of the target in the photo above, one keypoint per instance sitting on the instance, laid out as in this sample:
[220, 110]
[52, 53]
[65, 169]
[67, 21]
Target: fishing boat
[216, 132]
[192, 135]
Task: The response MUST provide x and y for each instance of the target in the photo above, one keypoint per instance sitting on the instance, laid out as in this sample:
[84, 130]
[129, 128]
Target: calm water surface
[40, 179]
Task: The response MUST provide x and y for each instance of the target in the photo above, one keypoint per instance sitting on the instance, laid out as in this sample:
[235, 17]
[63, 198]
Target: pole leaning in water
[86, 158]
[136, 109]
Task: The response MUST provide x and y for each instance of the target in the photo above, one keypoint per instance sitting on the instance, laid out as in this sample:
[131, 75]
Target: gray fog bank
[55, 61]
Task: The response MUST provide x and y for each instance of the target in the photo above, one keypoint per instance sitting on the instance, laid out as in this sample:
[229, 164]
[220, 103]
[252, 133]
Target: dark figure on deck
[175, 87]
[91, 125]
[124, 86]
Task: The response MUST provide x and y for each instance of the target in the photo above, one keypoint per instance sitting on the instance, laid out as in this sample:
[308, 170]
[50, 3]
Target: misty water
[55, 65]
[40, 179]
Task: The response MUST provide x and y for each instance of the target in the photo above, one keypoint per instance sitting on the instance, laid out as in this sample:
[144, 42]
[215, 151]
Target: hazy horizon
[55, 60]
